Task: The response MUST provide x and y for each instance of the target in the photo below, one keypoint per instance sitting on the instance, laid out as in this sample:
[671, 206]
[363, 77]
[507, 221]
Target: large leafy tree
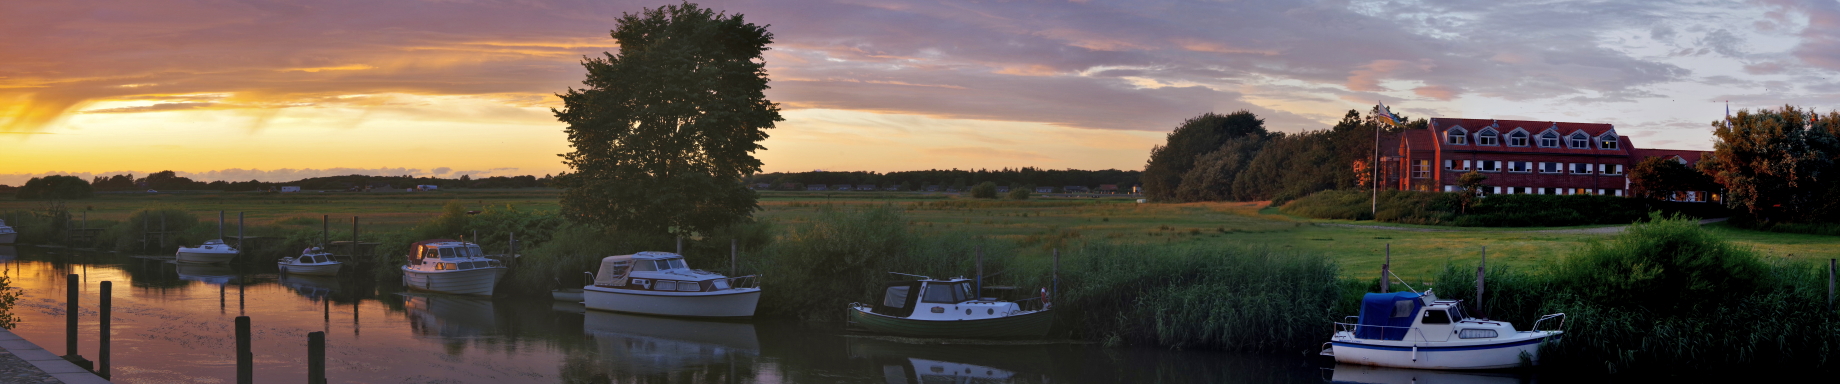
[665, 130]
[1777, 164]
[1198, 136]
[1661, 177]
[56, 187]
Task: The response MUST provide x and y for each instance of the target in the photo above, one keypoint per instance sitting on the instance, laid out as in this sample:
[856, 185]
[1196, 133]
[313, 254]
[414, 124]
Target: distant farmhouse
[1523, 157]
[1044, 189]
[814, 187]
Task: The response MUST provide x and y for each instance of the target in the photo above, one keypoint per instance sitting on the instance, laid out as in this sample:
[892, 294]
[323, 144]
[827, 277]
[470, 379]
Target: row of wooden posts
[1386, 274]
[245, 356]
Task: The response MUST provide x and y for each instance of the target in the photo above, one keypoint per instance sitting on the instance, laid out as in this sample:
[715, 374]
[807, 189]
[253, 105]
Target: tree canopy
[1662, 177]
[664, 131]
[55, 187]
[1195, 137]
[1247, 163]
[1778, 164]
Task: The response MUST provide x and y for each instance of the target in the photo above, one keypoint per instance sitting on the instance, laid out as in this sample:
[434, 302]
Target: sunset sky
[281, 90]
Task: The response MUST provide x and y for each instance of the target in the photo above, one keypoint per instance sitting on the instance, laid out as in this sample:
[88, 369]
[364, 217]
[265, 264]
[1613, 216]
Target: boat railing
[1355, 328]
[743, 282]
[1030, 304]
[1560, 316]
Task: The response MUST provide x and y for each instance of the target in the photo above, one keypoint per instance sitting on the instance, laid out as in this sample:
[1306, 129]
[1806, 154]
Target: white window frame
[1608, 141]
[1488, 165]
[1573, 139]
[1557, 139]
[1526, 138]
[1461, 136]
[1610, 169]
[1557, 167]
[1492, 138]
[1573, 168]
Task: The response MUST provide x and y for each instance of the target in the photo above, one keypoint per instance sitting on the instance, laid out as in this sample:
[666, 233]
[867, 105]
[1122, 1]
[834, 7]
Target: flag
[1386, 115]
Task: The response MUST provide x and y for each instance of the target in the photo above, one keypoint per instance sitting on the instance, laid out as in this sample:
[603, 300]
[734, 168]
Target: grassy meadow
[1037, 225]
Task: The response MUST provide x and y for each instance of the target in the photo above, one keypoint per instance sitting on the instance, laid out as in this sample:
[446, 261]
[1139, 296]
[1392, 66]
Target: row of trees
[956, 178]
[72, 187]
[1233, 157]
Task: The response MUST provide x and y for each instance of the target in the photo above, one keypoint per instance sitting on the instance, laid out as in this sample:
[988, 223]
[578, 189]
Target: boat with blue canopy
[1417, 330]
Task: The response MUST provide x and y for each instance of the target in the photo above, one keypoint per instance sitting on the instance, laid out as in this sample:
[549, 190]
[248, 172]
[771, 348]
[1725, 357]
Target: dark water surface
[173, 324]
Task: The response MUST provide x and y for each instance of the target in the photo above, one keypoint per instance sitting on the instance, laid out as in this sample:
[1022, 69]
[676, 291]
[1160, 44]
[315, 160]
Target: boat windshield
[674, 263]
[473, 251]
[966, 293]
[447, 252]
[643, 265]
[942, 293]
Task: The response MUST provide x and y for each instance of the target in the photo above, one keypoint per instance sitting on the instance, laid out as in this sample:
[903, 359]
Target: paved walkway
[24, 362]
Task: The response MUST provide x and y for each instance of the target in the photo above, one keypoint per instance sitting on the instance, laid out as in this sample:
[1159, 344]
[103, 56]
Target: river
[174, 324]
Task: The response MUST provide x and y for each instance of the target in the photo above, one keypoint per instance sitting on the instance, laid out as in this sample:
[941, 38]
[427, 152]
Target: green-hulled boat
[948, 308]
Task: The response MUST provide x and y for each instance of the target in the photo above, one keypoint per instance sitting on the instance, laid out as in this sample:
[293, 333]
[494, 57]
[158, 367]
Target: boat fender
[1044, 296]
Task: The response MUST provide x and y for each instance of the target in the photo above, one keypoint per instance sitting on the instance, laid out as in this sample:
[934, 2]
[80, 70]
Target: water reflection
[634, 345]
[904, 362]
[312, 287]
[8, 253]
[206, 273]
[1361, 374]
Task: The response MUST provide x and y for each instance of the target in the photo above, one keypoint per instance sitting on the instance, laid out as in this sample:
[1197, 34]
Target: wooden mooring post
[245, 359]
[316, 357]
[102, 346]
[1386, 270]
[1480, 268]
[734, 257]
[71, 311]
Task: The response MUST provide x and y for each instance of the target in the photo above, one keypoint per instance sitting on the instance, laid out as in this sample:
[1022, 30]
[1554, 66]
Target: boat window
[1456, 313]
[466, 265]
[643, 265]
[447, 252]
[1476, 334]
[689, 286]
[1402, 308]
[1437, 317]
[664, 285]
[677, 264]
[474, 251]
[895, 297]
[430, 253]
[720, 284]
[940, 293]
[966, 293]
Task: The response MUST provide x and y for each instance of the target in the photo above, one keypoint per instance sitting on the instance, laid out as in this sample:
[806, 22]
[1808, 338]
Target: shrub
[984, 190]
[1018, 194]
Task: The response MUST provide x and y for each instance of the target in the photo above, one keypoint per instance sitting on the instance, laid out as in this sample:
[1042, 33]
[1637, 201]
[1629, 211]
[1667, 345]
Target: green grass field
[1038, 224]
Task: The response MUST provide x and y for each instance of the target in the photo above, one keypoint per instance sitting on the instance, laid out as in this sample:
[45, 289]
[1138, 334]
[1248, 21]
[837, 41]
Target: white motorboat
[949, 308]
[7, 234]
[660, 283]
[211, 252]
[312, 261]
[1413, 330]
[449, 266]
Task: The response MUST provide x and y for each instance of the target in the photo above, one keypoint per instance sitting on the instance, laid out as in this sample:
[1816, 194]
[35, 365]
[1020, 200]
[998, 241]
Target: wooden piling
[102, 346]
[245, 359]
[1481, 267]
[354, 240]
[325, 232]
[70, 316]
[220, 225]
[734, 257]
[1386, 270]
[328, 306]
[680, 245]
[316, 357]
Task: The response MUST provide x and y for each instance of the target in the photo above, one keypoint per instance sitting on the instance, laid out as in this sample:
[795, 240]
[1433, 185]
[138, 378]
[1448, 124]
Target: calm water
[173, 324]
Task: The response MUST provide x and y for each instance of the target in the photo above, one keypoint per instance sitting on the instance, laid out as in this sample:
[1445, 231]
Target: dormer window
[1549, 140]
[1456, 136]
[1487, 137]
[1518, 138]
[1580, 141]
[1607, 141]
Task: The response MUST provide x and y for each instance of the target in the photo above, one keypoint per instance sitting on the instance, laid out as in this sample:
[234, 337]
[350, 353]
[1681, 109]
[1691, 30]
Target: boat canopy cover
[898, 298]
[1387, 316]
[613, 270]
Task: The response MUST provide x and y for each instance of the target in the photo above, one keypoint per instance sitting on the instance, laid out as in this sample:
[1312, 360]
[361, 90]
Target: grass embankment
[1438, 208]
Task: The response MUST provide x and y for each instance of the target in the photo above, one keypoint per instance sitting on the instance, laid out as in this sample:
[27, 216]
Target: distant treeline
[910, 180]
[169, 181]
[1232, 157]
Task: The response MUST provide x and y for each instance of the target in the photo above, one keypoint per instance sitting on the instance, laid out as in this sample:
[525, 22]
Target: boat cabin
[656, 271]
[1410, 316]
[444, 254]
[313, 258]
[948, 299]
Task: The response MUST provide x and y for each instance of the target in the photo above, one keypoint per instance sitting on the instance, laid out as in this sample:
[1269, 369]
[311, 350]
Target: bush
[55, 187]
[1438, 208]
[1018, 193]
[984, 190]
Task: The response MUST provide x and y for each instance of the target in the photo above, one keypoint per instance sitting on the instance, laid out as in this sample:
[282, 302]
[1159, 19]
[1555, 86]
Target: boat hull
[1505, 354]
[462, 282]
[204, 257]
[310, 269]
[739, 302]
[8, 238]
[1033, 324]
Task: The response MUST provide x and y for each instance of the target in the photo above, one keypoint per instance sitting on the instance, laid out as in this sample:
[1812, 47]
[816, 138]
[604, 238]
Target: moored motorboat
[948, 308]
[211, 252]
[312, 261]
[449, 266]
[7, 234]
[660, 283]
[1414, 330]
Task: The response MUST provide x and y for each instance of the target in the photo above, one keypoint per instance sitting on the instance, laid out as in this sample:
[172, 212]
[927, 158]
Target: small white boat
[1412, 330]
[7, 234]
[659, 283]
[312, 261]
[449, 266]
[949, 308]
[211, 252]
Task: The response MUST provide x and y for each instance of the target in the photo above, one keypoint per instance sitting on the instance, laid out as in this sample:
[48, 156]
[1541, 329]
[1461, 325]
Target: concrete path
[1598, 230]
[24, 362]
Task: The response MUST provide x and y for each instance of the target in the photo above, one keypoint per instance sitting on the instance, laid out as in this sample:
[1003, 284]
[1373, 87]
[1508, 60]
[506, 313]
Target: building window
[1607, 141]
[1421, 169]
[1581, 168]
[1549, 140]
[1546, 167]
[1518, 166]
[1580, 141]
[1611, 169]
[1518, 138]
[1488, 165]
[1456, 136]
[1487, 137]
[1455, 165]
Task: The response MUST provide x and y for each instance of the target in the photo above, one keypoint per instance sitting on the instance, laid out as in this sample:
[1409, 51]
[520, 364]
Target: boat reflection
[637, 345]
[8, 253]
[207, 273]
[908, 363]
[314, 287]
[450, 317]
[1362, 374]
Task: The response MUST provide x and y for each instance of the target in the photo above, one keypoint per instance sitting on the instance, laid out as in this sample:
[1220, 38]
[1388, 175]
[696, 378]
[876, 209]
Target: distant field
[1039, 223]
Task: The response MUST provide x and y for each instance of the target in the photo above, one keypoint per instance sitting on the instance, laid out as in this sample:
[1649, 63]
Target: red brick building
[1523, 157]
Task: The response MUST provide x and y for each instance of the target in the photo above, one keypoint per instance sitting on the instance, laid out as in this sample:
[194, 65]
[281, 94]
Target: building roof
[1533, 129]
[1420, 139]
